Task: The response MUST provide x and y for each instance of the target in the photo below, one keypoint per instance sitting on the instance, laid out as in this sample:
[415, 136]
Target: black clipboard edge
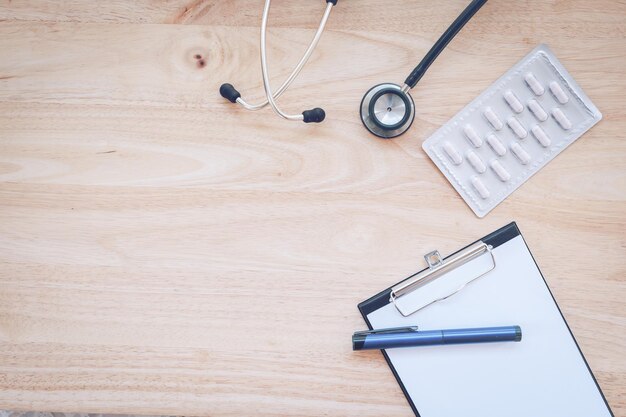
[495, 239]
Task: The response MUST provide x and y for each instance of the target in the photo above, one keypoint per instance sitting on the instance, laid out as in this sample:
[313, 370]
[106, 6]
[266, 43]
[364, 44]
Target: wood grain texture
[159, 248]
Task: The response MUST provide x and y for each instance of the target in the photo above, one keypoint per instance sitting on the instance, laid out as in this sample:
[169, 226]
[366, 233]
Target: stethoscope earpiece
[229, 92]
[387, 110]
[315, 115]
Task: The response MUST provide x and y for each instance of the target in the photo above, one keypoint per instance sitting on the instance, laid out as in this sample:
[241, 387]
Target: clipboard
[492, 282]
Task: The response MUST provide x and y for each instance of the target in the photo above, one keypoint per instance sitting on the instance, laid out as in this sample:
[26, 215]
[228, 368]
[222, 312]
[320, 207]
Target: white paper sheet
[544, 375]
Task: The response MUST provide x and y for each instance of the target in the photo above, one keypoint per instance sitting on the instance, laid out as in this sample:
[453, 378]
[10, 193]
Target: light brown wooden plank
[157, 245]
[574, 17]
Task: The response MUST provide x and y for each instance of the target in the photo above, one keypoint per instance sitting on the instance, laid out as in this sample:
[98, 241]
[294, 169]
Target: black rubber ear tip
[315, 115]
[229, 92]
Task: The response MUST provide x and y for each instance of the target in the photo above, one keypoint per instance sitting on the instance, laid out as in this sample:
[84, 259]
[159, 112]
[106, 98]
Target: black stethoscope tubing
[390, 108]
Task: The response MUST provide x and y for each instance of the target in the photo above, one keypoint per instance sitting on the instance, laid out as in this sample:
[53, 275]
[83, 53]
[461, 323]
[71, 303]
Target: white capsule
[541, 136]
[517, 127]
[537, 110]
[562, 119]
[513, 101]
[476, 162]
[493, 118]
[496, 144]
[473, 137]
[502, 173]
[453, 154]
[558, 92]
[534, 84]
[480, 187]
[521, 154]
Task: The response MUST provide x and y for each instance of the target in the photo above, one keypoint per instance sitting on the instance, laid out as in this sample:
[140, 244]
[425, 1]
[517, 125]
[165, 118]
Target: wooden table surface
[163, 251]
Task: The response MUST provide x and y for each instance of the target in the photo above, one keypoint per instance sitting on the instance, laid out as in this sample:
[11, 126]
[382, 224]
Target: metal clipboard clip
[438, 267]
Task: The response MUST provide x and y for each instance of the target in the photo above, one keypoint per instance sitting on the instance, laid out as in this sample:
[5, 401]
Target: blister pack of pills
[510, 131]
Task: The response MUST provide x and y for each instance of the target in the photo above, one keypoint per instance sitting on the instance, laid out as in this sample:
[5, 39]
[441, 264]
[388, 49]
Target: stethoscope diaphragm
[387, 110]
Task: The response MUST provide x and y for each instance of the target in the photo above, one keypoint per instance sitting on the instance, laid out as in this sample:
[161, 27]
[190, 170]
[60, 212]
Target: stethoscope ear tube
[315, 115]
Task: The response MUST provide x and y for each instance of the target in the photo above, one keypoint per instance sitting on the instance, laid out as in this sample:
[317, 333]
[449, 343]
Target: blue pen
[410, 336]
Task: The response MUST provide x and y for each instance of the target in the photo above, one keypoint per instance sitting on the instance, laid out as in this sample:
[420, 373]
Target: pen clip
[387, 330]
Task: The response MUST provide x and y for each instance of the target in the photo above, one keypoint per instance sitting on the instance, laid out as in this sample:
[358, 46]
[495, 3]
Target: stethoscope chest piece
[387, 110]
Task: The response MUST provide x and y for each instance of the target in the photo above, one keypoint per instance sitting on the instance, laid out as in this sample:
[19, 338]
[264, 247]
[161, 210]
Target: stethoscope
[387, 110]
[315, 115]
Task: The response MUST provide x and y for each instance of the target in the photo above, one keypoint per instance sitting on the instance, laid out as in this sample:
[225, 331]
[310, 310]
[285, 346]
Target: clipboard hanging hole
[433, 259]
